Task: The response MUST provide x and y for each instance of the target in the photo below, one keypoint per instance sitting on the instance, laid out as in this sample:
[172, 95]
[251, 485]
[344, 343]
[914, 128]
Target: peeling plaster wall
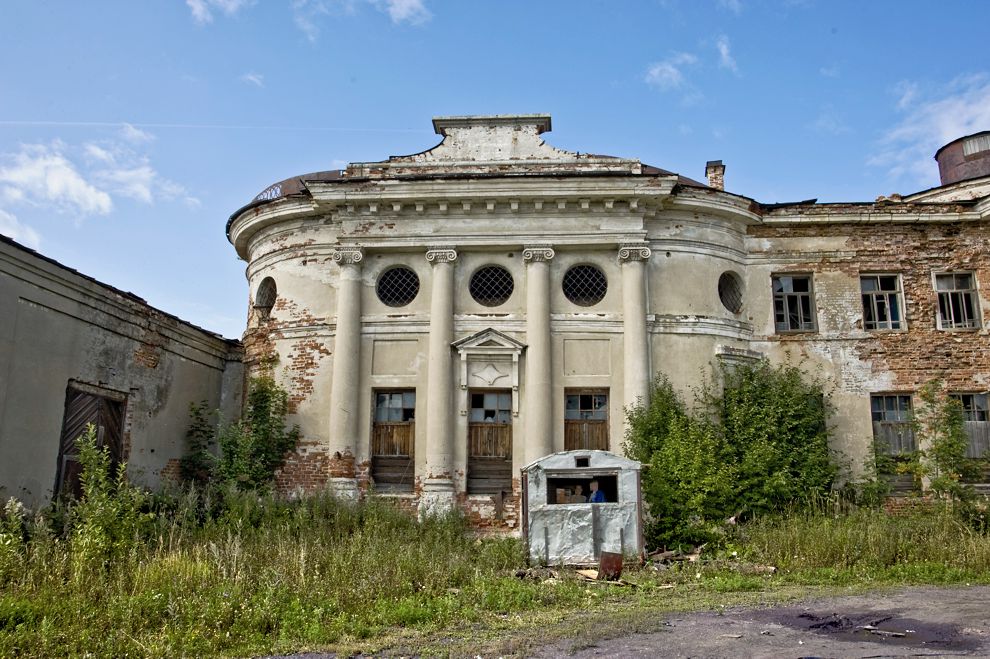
[57, 326]
[859, 362]
[462, 195]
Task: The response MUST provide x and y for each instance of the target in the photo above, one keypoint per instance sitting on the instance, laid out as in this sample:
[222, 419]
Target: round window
[585, 285]
[397, 287]
[491, 285]
[730, 291]
[265, 298]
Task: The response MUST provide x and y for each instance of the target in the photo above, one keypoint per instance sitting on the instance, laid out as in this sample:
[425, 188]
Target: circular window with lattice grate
[730, 291]
[491, 285]
[585, 285]
[397, 286]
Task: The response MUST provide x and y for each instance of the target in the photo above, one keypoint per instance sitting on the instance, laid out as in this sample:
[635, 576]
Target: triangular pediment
[489, 339]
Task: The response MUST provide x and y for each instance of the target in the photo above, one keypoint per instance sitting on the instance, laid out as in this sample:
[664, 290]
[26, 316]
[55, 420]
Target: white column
[636, 347]
[539, 376]
[438, 486]
[344, 391]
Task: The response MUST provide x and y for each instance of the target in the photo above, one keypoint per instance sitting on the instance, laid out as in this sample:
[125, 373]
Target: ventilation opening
[265, 299]
[585, 285]
[491, 286]
[397, 287]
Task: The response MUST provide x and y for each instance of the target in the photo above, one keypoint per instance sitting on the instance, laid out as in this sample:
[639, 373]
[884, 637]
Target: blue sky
[131, 130]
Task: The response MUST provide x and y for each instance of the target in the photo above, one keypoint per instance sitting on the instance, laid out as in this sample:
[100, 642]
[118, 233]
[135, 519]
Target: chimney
[715, 171]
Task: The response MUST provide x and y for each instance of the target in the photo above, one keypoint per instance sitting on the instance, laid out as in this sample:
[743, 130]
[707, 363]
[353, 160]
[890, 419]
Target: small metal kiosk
[577, 504]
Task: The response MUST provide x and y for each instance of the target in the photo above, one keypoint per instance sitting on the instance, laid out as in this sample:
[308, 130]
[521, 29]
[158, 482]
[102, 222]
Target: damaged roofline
[131, 297]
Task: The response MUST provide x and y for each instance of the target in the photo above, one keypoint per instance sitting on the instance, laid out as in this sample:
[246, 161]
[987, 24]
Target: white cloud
[84, 180]
[135, 135]
[253, 78]
[11, 227]
[829, 121]
[668, 74]
[906, 91]
[202, 10]
[735, 6]
[404, 11]
[307, 14]
[960, 108]
[97, 153]
[725, 58]
[42, 175]
[829, 71]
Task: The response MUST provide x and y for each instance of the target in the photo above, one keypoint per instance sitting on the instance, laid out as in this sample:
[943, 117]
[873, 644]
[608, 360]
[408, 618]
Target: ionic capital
[437, 255]
[348, 255]
[636, 252]
[537, 253]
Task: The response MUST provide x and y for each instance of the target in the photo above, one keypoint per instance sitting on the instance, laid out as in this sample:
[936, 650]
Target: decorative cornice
[634, 253]
[437, 255]
[537, 253]
[348, 255]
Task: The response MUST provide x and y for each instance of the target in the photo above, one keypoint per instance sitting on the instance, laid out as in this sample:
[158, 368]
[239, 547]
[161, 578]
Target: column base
[344, 488]
[437, 496]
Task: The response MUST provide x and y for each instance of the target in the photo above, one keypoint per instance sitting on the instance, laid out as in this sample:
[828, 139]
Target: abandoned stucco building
[443, 319]
[75, 351]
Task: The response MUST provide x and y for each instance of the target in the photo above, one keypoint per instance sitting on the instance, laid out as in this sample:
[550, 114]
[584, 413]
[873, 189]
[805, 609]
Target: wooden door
[84, 407]
[490, 442]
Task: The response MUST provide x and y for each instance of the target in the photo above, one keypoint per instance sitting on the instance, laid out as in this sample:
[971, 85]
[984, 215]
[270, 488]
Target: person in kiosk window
[596, 496]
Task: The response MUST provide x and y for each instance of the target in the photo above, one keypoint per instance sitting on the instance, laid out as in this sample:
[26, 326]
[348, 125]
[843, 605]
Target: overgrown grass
[258, 575]
[930, 545]
[268, 575]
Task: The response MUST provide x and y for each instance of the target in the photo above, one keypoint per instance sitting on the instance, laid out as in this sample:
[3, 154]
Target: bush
[757, 445]
[252, 449]
[107, 521]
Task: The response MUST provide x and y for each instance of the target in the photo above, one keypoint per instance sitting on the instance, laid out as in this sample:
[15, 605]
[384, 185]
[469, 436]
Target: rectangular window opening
[893, 437]
[882, 302]
[581, 489]
[489, 465]
[793, 303]
[393, 439]
[586, 420]
[958, 304]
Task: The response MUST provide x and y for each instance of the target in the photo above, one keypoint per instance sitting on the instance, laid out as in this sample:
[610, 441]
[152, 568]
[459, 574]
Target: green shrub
[253, 448]
[108, 519]
[758, 444]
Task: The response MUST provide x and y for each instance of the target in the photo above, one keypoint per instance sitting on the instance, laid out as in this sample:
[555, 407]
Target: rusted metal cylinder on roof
[964, 158]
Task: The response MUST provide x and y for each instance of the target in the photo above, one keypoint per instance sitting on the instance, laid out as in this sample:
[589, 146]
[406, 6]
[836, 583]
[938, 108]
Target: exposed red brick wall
[960, 358]
[305, 471]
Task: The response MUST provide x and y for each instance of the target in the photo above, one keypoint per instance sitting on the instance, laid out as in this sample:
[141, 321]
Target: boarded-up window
[976, 418]
[893, 435]
[392, 440]
[586, 420]
[86, 405]
[490, 443]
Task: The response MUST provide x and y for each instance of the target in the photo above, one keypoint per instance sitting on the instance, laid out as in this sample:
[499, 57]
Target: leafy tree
[940, 432]
[198, 463]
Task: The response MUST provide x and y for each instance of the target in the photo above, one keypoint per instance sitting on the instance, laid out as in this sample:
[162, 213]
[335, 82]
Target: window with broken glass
[393, 440]
[893, 439]
[489, 464]
[958, 306]
[881, 302]
[586, 420]
[977, 423]
[892, 429]
[793, 303]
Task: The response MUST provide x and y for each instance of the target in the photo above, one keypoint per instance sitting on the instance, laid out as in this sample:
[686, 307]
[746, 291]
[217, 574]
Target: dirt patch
[910, 622]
